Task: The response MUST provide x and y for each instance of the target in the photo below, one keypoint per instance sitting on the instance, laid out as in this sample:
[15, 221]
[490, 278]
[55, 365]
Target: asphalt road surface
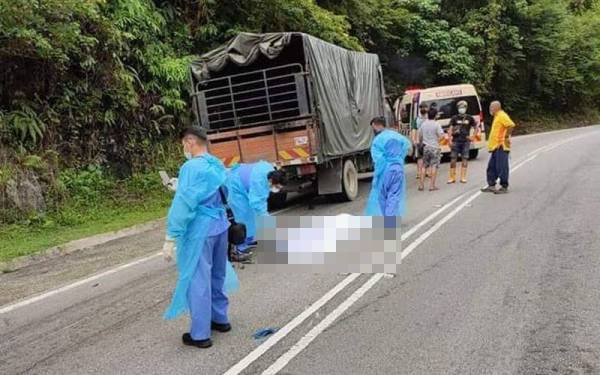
[490, 284]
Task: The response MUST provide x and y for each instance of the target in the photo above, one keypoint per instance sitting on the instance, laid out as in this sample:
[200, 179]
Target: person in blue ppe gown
[249, 186]
[197, 234]
[388, 151]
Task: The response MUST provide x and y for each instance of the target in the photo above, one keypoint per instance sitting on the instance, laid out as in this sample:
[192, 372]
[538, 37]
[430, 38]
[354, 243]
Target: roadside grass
[98, 204]
[545, 123]
[18, 240]
[84, 203]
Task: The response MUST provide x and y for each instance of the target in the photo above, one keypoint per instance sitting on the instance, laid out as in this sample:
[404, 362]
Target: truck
[293, 100]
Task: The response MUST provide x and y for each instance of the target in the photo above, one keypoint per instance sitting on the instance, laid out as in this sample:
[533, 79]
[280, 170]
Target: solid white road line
[282, 361]
[413, 245]
[280, 334]
[415, 228]
[319, 328]
[28, 301]
[260, 350]
[40, 297]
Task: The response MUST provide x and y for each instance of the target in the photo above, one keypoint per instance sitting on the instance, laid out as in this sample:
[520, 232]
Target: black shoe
[488, 189]
[502, 190]
[188, 340]
[220, 327]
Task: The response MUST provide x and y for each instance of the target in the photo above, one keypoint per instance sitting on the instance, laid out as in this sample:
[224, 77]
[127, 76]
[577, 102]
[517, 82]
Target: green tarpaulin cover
[347, 86]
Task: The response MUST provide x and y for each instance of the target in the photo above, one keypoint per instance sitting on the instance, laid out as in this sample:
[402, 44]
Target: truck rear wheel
[349, 181]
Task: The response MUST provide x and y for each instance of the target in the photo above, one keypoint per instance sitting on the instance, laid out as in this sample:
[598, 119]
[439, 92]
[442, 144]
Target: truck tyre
[473, 153]
[349, 181]
[277, 200]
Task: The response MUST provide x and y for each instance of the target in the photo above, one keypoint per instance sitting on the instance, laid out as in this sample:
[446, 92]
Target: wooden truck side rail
[283, 144]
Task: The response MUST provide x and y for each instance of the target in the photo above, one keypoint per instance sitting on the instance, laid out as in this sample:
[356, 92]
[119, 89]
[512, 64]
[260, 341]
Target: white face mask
[275, 189]
[188, 155]
[462, 110]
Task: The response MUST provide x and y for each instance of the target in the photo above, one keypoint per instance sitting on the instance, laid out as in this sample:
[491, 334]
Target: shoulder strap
[223, 196]
[228, 210]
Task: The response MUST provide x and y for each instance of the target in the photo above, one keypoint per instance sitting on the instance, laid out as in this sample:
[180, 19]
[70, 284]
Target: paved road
[491, 285]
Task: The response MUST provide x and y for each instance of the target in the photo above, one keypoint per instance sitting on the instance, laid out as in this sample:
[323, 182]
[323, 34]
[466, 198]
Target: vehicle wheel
[473, 153]
[349, 181]
[277, 200]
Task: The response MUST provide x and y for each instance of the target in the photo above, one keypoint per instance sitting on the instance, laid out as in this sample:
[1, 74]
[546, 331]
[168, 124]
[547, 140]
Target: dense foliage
[104, 82]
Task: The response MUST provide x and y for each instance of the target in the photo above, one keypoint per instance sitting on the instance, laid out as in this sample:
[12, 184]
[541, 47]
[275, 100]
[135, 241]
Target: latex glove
[169, 249]
[172, 185]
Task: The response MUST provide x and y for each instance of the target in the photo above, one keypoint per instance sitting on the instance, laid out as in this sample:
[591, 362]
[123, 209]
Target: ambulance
[444, 98]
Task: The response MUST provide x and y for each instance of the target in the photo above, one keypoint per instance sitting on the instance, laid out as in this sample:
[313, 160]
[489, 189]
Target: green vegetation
[96, 203]
[92, 92]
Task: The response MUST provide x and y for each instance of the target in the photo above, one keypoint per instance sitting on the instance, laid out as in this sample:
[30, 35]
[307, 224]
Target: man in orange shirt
[499, 147]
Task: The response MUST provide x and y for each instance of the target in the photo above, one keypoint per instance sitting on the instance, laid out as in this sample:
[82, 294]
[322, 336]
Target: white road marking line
[282, 361]
[28, 301]
[342, 284]
[413, 245]
[406, 235]
[319, 328]
[40, 297]
[260, 350]
[280, 334]
[415, 228]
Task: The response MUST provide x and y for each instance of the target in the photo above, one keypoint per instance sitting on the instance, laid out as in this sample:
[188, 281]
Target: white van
[444, 98]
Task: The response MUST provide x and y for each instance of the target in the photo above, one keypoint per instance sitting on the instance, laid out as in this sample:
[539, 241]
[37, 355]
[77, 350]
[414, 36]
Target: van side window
[447, 107]
[405, 114]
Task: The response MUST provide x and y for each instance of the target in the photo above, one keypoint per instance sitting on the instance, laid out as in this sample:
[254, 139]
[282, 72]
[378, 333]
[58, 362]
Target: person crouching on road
[459, 132]
[388, 151]
[430, 135]
[197, 232]
[499, 147]
[249, 186]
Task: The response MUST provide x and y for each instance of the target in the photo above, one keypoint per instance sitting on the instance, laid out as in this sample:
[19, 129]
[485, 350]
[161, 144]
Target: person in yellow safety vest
[459, 141]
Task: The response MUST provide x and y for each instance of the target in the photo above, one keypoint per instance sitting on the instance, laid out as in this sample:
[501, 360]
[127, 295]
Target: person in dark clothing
[460, 142]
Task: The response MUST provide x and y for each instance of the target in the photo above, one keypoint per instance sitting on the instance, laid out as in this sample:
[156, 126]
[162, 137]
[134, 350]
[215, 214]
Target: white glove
[172, 185]
[169, 249]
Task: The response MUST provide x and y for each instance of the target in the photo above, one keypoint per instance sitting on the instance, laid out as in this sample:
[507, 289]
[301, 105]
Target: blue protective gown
[248, 192]
[387, 196]
[198, 223]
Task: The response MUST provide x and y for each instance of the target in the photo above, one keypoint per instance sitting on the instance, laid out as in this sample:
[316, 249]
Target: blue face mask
[376, 132]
